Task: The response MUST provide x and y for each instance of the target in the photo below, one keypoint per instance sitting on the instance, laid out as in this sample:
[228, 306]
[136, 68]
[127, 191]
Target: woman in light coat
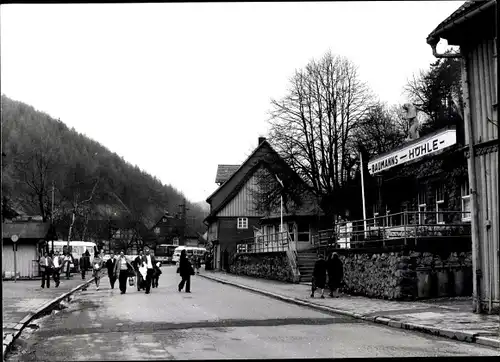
[123, 268]
[97, 265]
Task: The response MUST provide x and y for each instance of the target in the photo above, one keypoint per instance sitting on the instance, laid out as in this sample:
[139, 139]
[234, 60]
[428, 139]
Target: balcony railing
[405, 226]
[266, 243]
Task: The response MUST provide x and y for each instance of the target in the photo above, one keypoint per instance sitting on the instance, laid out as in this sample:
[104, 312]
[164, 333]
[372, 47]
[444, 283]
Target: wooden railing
[265, 244]
[407, 225]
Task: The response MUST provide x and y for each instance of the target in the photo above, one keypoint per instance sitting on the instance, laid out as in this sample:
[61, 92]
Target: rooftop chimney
[261, 139]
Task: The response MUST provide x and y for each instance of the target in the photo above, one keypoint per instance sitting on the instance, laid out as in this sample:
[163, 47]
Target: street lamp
[281, 197]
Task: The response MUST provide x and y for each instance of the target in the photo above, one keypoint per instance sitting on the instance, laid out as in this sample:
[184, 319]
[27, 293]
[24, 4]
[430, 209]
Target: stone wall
[395, 275]
[274, 266]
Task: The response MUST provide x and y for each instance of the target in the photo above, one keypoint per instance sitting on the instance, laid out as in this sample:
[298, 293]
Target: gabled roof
[264, 142]
[246, 175]
[467, 11]
[224, 172]
[25, 230]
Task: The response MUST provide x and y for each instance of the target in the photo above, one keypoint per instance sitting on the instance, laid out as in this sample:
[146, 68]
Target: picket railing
[405, 226]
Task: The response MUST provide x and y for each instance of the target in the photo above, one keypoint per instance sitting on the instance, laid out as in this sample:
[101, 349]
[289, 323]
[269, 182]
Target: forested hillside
[90, 181]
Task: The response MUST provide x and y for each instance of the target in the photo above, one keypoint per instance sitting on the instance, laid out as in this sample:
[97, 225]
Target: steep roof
[224, 172]
[470, 10]
[25, 230]
[247, 169]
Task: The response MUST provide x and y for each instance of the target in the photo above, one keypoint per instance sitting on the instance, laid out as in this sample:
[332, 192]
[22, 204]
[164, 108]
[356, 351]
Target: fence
[265, 243]
[393, 228]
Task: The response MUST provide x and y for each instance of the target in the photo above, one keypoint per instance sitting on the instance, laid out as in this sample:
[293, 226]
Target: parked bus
[77, 249]
[190, 252]
[165, 252]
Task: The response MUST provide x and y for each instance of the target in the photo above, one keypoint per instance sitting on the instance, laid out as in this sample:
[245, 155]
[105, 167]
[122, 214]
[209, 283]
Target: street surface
[215, 321]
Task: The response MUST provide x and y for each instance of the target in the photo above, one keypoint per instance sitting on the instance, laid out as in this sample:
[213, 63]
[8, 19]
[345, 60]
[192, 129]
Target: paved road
[215, 321]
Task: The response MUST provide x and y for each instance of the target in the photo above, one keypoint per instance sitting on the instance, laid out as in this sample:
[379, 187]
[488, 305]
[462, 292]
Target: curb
[447, 333]
[10, 338]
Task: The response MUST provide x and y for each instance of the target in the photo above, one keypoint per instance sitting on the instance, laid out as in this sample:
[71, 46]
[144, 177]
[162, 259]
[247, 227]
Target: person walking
[335, 274]
[156, 275]
[84, 263]
[150, 263]
[319, 276]
[46, 266]
[185, 270]
[197, 264]
[68, 264]
[97, 265]
[58, 262]
[123, 268]
[138, 263]
[110, 265]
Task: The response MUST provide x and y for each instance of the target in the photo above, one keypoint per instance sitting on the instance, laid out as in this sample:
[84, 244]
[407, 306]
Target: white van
[77, 249]
[190, 252]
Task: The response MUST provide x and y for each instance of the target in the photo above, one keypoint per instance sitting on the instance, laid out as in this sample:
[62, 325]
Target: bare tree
[311, 127]
[382, 129]
[35, 169]
[78, 192]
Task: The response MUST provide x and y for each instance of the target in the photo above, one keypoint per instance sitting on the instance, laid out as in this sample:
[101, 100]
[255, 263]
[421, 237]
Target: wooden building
[235, 217]
[473, 27]
[32, 237]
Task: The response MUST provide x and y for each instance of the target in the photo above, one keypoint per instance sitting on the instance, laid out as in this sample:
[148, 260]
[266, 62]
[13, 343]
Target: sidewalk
[23, 300]
[446, 318]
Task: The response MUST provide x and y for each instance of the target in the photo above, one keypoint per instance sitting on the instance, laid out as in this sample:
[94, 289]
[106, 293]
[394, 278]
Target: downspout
[476, 262]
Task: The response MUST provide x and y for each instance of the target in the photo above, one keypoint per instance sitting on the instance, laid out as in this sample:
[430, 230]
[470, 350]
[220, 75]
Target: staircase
[306, 260]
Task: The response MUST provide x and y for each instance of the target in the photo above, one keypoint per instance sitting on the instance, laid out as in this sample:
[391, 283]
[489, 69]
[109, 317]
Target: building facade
[473, 27]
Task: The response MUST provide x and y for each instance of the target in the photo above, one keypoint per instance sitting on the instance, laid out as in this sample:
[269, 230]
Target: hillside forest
[57, 173]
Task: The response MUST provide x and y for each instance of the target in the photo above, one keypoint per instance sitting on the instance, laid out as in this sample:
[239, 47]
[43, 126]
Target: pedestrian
[68, 264]
[123, 269]
[156, 275]
[150, 263]
[319, 276]
[185, 270]
[84, 263]
[335, 274]
[138, 263]
[46, 268]
[110, 265]
[97, 263]
[58, 262]
[197, 264]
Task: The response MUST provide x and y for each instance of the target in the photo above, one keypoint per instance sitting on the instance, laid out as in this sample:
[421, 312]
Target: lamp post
[363, 191]
[281, 197]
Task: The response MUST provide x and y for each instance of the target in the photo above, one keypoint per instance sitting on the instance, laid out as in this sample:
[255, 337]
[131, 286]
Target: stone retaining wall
[395, 275]
[272, 266]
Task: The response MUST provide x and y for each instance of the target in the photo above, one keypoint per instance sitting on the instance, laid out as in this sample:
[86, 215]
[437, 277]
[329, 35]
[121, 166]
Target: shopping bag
[131, 281]
[144, 271]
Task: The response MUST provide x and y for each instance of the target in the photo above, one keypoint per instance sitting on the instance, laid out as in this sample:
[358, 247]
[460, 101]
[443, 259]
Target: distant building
[32, 237]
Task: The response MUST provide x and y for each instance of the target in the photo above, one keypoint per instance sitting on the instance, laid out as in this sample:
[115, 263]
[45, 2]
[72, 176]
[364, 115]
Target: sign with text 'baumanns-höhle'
[424, 146]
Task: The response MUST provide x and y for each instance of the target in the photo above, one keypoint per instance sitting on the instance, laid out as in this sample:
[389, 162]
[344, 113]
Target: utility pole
[52, 219]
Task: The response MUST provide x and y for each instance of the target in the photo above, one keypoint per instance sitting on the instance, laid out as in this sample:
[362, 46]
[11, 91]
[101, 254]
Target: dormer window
[164, 219]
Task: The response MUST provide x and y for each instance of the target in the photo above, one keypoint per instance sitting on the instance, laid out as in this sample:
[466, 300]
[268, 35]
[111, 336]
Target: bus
[191, 251]
[77, 249]
[164, 253]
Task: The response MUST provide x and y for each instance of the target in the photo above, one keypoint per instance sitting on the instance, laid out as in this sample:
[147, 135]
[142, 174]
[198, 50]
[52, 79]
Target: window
[242, 223]
[157, 230]
[440, 204]
[466, 201]
[422, 206]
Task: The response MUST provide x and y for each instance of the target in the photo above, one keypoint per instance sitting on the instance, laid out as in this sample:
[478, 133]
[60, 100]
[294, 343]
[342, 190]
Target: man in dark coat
[138, 264]
[150, 262]
[319, 276]
[185, 270]
[335, 273]
[110, 265]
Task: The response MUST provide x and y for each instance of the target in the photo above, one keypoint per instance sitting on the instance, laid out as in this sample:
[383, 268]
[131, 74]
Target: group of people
[332, 268]
[51, 265]
[144, 268]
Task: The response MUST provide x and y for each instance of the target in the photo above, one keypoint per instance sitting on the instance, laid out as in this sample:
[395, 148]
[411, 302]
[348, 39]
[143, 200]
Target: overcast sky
[179, 88]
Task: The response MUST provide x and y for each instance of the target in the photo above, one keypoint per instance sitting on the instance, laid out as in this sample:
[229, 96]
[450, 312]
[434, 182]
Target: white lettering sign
[425, 146]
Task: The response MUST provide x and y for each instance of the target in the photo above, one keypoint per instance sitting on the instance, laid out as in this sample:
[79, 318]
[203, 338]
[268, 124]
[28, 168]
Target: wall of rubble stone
[272, 266]
[394, 275]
